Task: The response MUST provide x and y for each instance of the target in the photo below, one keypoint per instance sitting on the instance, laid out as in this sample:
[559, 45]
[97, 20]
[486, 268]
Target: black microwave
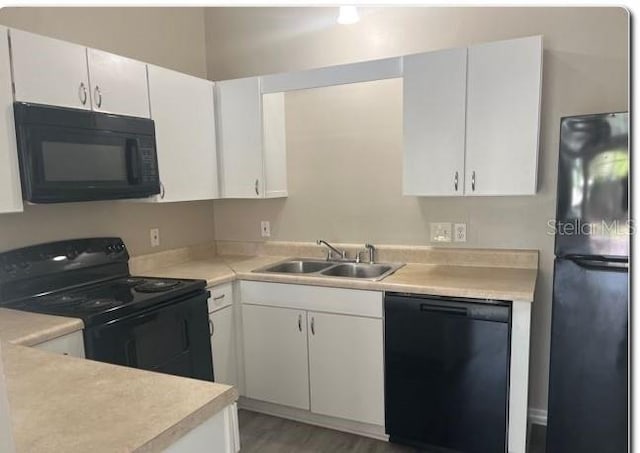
[78, 155]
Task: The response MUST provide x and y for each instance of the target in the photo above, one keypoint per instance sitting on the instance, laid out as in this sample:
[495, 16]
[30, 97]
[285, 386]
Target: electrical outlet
[154, 235]
[460, 232]
[440, 232]
[265, 229]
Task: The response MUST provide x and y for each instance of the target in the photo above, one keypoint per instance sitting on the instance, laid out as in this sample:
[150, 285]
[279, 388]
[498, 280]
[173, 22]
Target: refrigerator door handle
[604, 265]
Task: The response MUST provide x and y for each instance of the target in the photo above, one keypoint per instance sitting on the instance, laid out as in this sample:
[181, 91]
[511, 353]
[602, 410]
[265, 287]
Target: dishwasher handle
[457, 311]
[495, 311]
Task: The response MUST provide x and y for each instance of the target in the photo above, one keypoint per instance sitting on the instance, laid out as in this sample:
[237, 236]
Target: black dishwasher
[447, 372]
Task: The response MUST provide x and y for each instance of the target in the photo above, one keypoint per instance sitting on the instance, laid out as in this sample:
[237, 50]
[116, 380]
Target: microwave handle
[134, 161]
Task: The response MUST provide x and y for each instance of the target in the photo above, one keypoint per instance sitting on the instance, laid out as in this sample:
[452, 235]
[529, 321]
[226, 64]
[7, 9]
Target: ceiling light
[348, 15]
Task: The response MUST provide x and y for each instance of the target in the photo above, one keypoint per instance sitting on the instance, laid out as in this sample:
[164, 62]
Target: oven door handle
[185, 333]
[130, 352]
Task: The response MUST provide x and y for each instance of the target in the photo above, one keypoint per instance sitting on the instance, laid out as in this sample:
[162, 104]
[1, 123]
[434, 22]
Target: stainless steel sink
[298, 267]
[357, 270]
[317, 268]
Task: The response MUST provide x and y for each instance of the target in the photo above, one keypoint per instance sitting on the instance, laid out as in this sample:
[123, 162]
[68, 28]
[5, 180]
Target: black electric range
[151, 323]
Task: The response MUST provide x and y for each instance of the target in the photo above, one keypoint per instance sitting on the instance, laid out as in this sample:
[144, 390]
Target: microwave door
[67, 164]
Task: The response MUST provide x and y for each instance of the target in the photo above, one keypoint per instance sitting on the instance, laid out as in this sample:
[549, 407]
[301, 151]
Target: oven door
[172, 339]
[83, 157]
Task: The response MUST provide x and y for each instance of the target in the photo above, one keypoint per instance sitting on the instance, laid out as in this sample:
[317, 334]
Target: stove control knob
[9, 268]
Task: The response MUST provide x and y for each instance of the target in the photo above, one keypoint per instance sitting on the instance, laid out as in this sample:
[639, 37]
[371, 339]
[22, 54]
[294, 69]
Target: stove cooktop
[107, 301]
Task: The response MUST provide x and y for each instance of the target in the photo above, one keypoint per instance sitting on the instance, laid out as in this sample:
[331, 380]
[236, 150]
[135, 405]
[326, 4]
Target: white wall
[344, 143]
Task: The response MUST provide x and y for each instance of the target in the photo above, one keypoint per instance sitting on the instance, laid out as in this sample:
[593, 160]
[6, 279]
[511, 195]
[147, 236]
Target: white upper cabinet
[49, 71]
[240, 137]
[10, 190]
[503, 117]
[118, 84]
[274, 145]
[251, 139]
[434, 105]
[182, 108]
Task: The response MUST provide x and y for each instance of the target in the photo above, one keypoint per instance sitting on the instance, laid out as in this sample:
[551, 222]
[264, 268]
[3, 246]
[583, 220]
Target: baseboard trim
[538, 416]
[303, 416]
[535, 416]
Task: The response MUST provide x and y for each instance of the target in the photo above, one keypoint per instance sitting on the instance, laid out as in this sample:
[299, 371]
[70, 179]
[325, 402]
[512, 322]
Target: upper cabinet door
[10, 190]
[182, 107]
[434, 103]
[503, 117]
[49, 71]
[275, 145]
[240, 137]
[118, 84]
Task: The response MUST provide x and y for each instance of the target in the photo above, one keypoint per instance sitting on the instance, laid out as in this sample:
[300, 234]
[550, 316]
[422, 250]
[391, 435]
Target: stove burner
[64, 300]
[131, 281]
[157, 286]
[100, 303]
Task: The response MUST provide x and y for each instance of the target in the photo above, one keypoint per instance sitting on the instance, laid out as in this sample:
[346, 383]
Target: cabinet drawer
[324, 299]
[221, 296]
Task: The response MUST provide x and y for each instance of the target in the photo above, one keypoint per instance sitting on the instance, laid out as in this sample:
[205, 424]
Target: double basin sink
[319, 268]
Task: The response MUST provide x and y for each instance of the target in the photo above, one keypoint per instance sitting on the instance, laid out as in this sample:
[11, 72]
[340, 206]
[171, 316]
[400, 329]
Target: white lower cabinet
[71, 344]
[346, 367]
[223, 334]
[218, 434]
[223, 346]
[326, 358]
[275, 355]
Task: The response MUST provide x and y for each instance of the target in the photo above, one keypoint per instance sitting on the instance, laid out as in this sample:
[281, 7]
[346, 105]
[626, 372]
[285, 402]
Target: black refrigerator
[588, 378]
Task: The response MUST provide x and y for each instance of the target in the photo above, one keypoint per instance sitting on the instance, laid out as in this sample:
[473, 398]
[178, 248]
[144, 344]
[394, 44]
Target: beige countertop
[67, 404]
[436, 279]
[29, 329]
[61, 403]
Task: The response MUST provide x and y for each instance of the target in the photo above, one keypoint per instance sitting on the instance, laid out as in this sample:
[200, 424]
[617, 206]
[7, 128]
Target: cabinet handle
[219, 297]
[300, 323]
[256, 187]
[98, 95]
[313, 325]
[455, 182]
[211, 328]
[161, 191]
[82, 93]
[473, 180]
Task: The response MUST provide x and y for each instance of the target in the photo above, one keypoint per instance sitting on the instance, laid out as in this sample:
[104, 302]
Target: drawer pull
[219, 297]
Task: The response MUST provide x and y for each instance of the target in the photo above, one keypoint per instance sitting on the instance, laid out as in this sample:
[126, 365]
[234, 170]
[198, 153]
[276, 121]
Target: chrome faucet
[342, 254]
[372, 252]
